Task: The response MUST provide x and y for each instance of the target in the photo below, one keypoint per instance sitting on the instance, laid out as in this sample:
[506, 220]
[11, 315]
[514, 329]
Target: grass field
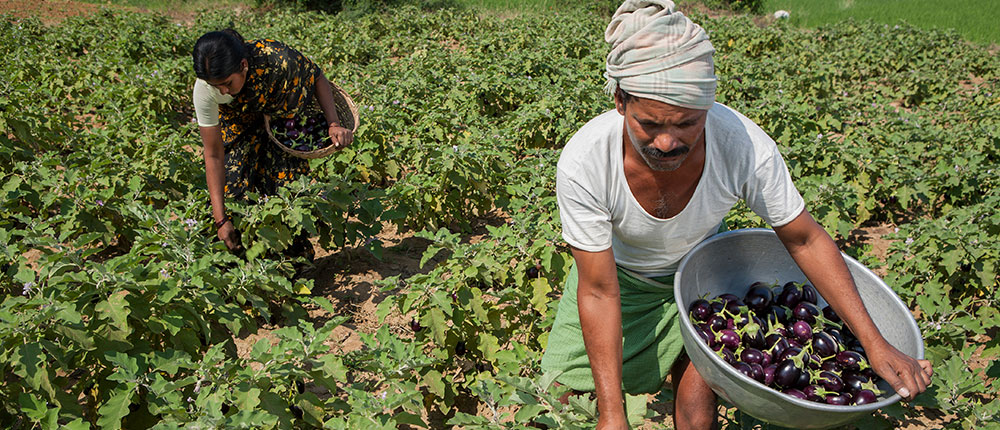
[974, 20]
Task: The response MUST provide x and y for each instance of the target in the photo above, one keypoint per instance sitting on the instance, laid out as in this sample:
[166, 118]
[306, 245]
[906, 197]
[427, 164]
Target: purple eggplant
[700, 310]
[769, 374]
[730, 339]
[838, 399]
[824, 344]
[758, 297]
[757, 372]
[744, 368]
[717, 323]
[787, 374]
[853, 382]
[864, 397]
[802, 331]
[805, 311]
[811, 392]
[830, 314]
[794, 392]
[790, 295]
[809, 294]
[703, 334]
[752, 355]
[830, 381]
[830, 365]
[850, 360]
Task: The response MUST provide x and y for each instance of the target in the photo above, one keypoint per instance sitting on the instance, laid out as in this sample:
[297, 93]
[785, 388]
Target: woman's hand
[227, 234]
[340, 136]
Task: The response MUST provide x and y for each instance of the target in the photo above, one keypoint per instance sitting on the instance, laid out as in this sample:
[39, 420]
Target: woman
[238, 82]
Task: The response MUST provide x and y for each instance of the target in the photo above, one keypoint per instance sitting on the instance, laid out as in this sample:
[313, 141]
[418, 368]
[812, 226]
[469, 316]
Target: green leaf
[247, 400]
[116, 308]
[438, 325]
[635, 409]
[489, 345]
[116, 408]
[527, 412]
[31, 365]
[32, 406]
[435, 382]
[408, 418]
[77, 424]
[539, 298]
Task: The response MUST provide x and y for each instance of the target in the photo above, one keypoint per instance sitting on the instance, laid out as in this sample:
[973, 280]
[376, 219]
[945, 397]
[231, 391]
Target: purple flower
[909, 240]
[395, 102]
[190, 222]
[164, 273]
[29, 287]
[371, 108]
[100, 202]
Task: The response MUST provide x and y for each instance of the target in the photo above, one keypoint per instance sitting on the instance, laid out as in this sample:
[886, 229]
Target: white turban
[660, 54]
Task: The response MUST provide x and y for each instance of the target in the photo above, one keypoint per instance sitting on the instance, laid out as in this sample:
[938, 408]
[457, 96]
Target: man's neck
[663, 194]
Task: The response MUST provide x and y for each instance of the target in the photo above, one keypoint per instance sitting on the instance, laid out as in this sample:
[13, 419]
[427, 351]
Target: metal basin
[728, 263]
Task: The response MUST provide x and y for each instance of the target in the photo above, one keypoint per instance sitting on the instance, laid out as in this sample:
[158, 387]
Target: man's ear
[619, 103]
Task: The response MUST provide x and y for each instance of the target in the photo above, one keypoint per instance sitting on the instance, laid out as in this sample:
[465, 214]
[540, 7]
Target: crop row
[119, 308]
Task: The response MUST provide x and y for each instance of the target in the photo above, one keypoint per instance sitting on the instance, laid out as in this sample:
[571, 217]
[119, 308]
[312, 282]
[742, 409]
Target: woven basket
[346, 111]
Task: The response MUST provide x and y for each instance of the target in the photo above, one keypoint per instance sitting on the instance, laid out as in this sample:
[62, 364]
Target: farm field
[969, 19]
[439, 256]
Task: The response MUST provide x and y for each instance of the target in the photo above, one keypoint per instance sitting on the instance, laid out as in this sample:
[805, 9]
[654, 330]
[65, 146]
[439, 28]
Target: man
[640, 186]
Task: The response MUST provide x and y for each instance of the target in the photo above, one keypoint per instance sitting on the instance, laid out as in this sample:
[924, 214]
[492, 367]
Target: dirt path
[48, 11]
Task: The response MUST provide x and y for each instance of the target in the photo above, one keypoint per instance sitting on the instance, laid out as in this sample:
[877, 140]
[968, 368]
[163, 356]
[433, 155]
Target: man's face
[233, 83]
[663, 134]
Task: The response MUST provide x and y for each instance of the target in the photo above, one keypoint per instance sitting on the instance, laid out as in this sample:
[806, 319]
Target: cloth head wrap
[660, 54]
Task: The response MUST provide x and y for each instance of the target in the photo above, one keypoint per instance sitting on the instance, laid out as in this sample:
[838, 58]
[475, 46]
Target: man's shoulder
[591, 144]
[737, 131]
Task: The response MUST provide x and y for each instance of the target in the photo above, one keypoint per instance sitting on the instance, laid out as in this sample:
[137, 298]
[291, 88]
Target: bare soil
[48, 11]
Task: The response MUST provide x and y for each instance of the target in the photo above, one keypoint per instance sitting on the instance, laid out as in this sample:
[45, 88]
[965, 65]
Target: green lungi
[650, 327]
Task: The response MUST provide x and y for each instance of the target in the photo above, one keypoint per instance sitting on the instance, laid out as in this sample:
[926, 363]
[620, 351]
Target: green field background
[975, 20]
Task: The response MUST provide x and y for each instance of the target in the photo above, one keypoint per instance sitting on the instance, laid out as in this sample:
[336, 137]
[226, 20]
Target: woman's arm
[599, 304]
[819, 258]
[215, 176]
[324, 92]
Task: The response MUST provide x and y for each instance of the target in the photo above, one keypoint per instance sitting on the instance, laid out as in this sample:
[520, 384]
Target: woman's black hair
[218, 54]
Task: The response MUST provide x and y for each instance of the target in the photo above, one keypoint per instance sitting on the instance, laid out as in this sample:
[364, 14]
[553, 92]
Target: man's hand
[340, 136]
[906, 375]
[227, 233]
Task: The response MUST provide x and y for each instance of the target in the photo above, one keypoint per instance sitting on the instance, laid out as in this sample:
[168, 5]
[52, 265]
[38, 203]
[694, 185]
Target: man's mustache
[656, 153]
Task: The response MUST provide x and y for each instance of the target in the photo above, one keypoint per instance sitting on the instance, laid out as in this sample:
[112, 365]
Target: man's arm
[599, 305]
[820, 260]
